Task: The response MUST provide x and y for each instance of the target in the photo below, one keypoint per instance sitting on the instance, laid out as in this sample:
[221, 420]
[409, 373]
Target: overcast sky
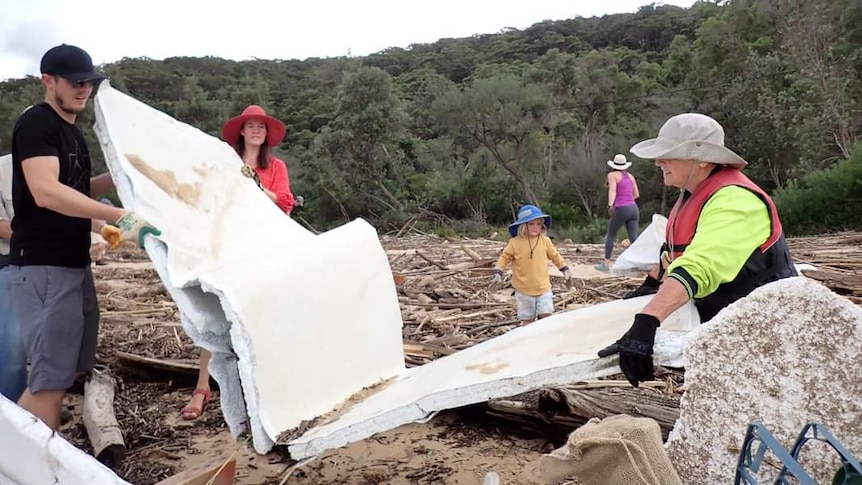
[267, 29]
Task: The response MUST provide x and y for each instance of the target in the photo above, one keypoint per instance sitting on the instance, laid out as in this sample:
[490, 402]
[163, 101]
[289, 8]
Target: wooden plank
[209, 473]
[439, 349]
[176, 366]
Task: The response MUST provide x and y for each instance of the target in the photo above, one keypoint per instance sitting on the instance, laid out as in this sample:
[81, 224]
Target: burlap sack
[620, 449]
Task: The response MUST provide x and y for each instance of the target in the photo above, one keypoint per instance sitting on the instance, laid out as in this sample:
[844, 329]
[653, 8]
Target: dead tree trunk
[100, 421]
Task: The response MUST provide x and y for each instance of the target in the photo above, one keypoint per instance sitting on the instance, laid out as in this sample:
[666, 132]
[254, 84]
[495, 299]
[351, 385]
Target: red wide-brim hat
[275, 129]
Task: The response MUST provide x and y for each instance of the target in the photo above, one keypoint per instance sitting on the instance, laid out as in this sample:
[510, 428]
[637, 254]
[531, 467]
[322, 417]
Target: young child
[529, 251]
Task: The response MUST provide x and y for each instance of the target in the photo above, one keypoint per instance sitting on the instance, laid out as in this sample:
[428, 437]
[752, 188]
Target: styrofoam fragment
[32, 453]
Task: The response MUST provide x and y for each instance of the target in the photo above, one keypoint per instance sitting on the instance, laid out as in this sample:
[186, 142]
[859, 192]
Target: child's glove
[252, 174]
[299, 201]
[567, 274]
[130, 227]
[498, 277]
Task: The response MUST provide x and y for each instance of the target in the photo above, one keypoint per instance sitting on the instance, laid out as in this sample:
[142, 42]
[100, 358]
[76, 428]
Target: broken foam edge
[668, 352]
[431, 404]
[241, 371]
[223, 370]
[338, 411]
[245, 365]
[223, 365]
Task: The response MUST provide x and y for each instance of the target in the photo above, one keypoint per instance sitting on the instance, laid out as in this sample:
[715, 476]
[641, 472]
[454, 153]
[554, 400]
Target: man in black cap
[53, 295]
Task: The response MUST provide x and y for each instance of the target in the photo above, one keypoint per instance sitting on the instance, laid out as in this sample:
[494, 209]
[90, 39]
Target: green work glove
[130, 227]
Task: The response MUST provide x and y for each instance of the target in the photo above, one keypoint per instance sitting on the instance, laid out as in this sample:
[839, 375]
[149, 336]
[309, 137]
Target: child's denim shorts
[530, 307]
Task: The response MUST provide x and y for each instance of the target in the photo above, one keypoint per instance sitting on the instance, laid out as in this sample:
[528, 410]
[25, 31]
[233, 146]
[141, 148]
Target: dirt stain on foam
[488, 367]
[189, 193]
[336, 412]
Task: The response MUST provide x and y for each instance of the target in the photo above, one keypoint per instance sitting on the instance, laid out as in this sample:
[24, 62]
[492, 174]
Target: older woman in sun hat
[724, 236]
[622, 194]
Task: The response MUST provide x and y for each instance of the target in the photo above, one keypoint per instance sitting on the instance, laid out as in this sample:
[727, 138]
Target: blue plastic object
[751, 458]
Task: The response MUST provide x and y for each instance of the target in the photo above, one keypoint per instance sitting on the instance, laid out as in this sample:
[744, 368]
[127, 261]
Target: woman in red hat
[252, 134]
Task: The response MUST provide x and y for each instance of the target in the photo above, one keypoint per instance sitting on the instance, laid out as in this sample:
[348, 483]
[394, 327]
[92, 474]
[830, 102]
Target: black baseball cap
[70, 62]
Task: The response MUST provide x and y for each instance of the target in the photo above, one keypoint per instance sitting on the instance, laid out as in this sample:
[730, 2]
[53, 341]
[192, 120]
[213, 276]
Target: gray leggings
[628, 215]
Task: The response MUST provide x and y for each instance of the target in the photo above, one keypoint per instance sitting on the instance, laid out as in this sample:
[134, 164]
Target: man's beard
[65, 107]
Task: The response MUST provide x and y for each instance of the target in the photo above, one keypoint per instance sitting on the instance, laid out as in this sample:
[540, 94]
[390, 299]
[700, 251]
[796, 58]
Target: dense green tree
[468, 129]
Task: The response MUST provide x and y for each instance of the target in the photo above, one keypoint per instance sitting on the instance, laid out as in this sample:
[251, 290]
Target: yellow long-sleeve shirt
[529, 258]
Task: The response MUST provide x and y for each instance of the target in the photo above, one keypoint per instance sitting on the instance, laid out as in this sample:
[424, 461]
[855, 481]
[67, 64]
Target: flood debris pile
[448, 304]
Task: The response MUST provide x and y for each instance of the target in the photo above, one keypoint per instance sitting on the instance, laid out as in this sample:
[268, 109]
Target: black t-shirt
[41, 236]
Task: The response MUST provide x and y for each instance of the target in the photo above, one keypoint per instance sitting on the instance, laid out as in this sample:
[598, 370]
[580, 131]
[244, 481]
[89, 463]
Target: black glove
[611, 211]
[636, 349]
[648, 287]
[613, 348]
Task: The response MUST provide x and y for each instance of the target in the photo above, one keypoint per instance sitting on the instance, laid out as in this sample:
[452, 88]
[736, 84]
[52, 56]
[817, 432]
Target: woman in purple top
[622, 193]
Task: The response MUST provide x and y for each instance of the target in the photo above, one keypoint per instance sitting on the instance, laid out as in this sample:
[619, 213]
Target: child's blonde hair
[522, 228]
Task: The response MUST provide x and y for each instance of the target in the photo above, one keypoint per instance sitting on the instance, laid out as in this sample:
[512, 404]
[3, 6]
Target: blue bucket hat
[526, 214]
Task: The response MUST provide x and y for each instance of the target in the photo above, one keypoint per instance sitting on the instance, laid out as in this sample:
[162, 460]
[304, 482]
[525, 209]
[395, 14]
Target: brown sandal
[192, 412]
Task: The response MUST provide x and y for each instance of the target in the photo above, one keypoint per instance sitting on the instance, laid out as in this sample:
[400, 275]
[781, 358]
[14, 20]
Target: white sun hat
[689, 136]
[619, 162]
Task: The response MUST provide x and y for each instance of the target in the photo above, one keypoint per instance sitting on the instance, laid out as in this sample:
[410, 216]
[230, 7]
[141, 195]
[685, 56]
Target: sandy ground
[457, 447]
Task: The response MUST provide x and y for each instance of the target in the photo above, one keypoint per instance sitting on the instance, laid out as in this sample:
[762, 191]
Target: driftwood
[604, 402]
[527, 416]
[188, 367]
[213, 472]
[101, 422]
[556, 412]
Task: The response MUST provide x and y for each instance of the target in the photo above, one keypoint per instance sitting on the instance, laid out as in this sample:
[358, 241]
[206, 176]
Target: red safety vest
[682, 222]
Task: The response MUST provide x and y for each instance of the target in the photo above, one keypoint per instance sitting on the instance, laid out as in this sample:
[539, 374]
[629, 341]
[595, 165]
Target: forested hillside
[460, 132]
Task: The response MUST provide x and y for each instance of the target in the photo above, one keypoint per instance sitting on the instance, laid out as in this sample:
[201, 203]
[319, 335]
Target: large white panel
[557, 350]
[272, 300]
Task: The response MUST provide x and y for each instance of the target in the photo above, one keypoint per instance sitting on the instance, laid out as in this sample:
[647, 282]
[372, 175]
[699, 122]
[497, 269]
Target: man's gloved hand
[498, 277]
[648, 287]
[130, 227]
[299, 201]
[636, 348]
[252, 174]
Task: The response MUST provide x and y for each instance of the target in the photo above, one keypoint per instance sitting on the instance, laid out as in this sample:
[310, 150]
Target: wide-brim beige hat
[689, 136]
[619, 162]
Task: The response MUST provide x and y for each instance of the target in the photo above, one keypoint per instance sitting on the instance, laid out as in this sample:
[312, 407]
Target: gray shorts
[59, 318]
